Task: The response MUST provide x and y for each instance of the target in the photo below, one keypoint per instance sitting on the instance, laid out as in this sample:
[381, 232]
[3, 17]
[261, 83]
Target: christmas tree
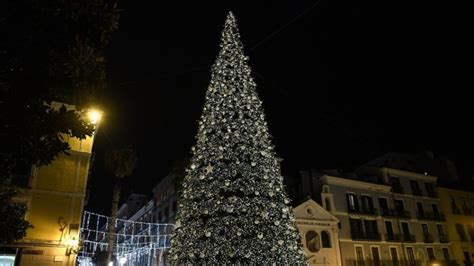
[233, 207]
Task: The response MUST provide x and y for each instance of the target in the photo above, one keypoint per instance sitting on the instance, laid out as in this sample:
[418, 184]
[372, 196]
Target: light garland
[137, 243]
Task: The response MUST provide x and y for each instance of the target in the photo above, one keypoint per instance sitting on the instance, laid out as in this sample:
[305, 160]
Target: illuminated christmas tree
[233, 207]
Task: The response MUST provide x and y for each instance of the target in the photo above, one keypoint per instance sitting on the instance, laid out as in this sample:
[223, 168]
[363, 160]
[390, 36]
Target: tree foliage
[12, 224]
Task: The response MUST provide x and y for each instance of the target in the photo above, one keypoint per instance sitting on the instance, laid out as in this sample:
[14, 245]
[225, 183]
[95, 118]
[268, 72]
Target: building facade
[387, 216]
[319, 233]
[458, 205]
[55, 196]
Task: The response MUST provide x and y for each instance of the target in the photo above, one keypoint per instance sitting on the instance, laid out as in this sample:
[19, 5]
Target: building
[55, 196]
[387, 216]
[458, 206]
[319, 233]
[131, 206]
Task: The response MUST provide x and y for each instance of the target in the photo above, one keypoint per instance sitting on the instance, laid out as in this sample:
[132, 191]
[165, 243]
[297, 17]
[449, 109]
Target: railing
[443, 239]
[365, 236]
[370, 262]
[417, 192]
[364, 211]
[397, 189]
[467, 211]
[428, 238]
[393, 237]
[408, 238]
[431, 216]
[455, 210]
[432, 194]
[395, 213]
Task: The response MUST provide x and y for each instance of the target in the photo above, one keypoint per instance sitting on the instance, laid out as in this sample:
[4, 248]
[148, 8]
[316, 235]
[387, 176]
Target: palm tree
[121, 163]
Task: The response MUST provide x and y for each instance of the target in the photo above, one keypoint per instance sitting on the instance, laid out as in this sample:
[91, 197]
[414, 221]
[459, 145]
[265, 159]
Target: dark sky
[343, 82]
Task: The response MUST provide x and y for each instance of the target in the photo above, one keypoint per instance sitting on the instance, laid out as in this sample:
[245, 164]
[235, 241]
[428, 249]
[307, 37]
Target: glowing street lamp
[94, 116]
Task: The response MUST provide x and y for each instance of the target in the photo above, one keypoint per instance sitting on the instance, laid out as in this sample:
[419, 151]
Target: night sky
[341, 82]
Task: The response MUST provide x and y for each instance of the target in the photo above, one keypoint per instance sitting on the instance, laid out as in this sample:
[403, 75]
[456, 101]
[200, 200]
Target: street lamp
[94, 116]
[122, 260]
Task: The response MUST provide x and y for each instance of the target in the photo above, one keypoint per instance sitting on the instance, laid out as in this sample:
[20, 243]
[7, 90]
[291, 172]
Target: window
[312, 241]
[371, 229]
[356, 228]
[411, 256]
[359, 256]
[367, 204]
[400, 207]
[424, 227]
[435, 210]
[470, 231]
[454, 207]
[383, 205]
[352, 203]
[440, 229]
[394, 256]
[415, 189]
[431, 255]
[389, 230]
[375, 256]
[421, 212]
[328, 204]
[461, 232]
[325, 239]
[446, 254]
[405, 229]
[430, 189]
[396, 186]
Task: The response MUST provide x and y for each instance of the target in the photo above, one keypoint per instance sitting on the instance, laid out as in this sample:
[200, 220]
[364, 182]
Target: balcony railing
[432, 194]
[443, 239]
[428, 238]
[393, 237]
[366, 236]
[355, 262]
[397, 189]
[417, 192]
[430, 216]
[408, 238]
[365, 211]
[467, 211]
[395, 213]
[455, 210]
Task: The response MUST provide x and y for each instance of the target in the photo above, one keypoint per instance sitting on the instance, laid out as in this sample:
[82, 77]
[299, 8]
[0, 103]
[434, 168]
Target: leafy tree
[49, 51]
[12, 225]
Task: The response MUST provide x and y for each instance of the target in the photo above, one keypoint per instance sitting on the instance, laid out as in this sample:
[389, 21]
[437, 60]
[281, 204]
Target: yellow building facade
[55, 197]
[458, 206]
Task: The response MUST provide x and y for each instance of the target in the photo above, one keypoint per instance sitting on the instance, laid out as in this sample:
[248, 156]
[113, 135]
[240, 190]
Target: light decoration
[233, 208]
[137, 243]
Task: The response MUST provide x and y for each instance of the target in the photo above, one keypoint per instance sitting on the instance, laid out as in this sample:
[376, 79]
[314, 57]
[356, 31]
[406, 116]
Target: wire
[284, 26]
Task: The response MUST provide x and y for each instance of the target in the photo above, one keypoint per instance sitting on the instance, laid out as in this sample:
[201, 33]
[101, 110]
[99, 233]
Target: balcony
[417, 192]
[443, 239]
[428, 238]
[432, 194]
[397, 189]
[408, 238]
[368, 262]
[455, 209]
[365, 211]
[467, 210]
[393, 237]
[395, 213]
[366, 236]
[431, 216]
